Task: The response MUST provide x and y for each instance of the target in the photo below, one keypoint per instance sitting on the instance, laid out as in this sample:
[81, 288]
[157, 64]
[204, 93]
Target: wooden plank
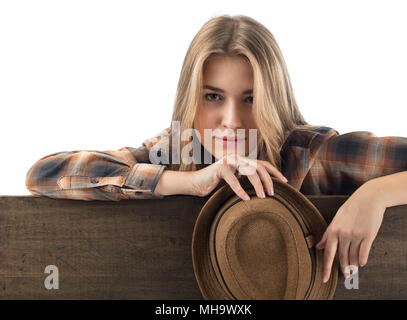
[141, 249]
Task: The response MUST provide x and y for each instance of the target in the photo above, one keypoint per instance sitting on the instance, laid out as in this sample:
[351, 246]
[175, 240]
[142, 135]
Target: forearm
[392, 189]
[173, 182]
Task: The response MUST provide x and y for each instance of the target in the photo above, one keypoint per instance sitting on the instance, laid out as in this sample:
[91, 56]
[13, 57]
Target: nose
[231, 117]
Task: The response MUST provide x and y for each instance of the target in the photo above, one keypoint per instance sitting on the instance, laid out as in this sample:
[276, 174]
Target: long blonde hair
[274, 107]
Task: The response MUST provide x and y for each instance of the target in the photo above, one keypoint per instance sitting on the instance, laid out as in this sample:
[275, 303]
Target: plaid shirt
[315, 162]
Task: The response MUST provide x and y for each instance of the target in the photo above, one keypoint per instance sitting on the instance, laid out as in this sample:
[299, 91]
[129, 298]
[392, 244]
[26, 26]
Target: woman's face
[226, 104]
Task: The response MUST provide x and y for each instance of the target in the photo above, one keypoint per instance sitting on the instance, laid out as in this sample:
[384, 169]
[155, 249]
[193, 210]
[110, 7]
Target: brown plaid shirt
[319, 161]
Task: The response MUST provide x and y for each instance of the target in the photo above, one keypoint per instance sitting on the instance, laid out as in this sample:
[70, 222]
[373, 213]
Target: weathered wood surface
[141, 249]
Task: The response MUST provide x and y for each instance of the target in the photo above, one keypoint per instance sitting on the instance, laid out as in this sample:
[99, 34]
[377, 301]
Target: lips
[229, 139]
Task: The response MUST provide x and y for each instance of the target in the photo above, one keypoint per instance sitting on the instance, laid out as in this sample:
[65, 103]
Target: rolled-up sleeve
[95, 175]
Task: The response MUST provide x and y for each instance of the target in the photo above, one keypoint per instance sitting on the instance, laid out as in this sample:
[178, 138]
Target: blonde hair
[274, 107]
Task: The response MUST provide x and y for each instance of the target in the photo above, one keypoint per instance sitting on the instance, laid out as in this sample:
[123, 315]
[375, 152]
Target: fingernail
[325, 279]
[262, 194]
[246, 197]
[271, 191]
[285, 179]
[346, 275]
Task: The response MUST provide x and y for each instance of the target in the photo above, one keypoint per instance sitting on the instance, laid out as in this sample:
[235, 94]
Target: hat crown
[257, 251]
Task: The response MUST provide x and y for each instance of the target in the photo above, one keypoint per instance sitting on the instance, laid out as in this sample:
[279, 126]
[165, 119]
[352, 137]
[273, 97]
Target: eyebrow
[220, 90]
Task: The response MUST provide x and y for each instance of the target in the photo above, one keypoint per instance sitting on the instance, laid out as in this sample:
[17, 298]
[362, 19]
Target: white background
[101, 75]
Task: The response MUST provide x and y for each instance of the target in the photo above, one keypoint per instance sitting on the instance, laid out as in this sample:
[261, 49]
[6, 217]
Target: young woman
[234, 78]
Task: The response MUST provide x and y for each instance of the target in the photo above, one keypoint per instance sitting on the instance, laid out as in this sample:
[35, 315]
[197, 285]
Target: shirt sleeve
[109, 175]
[342, 163]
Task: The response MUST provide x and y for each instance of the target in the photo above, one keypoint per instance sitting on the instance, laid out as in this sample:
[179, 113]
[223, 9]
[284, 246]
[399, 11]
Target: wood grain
[141, 249]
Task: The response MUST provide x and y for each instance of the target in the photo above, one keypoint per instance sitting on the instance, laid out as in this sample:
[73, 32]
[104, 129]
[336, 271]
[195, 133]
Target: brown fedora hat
[262, 249]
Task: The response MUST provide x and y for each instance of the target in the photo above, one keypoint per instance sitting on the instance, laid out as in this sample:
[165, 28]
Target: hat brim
[205, 275]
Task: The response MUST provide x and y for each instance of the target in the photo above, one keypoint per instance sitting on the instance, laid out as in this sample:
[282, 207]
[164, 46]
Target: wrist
[377, 191]
[173, 182]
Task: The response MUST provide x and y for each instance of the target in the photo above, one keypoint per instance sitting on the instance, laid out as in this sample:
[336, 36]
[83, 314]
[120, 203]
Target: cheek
[205, 120]
[201, 123]
[251, 122]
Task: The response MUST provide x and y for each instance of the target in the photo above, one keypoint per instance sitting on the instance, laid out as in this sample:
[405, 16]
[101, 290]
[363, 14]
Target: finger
[329, 255]
[274, 171]
[234, 183]
[266, 179]
[344, 255]
[246, 166]
[258, 186]
[230, 160]
[322, 242]
[354, 255]
[365, 246]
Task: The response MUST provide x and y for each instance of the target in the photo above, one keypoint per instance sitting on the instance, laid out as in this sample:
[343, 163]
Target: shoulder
[308, 138]
[157, 144]
[158, 141]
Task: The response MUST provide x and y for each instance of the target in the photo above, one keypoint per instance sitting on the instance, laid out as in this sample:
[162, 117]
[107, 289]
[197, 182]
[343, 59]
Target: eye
[216, 97]
[211, 94]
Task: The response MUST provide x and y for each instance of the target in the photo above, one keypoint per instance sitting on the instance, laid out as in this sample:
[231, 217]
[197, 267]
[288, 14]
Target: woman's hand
[258, 172]
[354, 228]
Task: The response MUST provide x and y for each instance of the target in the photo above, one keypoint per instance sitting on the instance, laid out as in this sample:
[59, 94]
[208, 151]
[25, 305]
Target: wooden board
[141, 249]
